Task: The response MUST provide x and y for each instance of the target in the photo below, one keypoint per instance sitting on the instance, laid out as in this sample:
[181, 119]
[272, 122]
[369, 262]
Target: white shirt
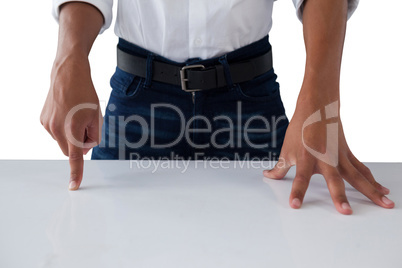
[183, 29]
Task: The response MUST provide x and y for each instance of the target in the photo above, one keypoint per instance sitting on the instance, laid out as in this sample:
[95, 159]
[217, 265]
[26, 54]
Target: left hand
[333, 159]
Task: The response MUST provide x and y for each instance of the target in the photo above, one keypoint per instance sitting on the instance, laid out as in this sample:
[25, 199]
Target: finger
[76, 166]
[58, 135]
[62, 141]
[63, 145]
[88, 145]
[86, 150]
[360, 183]
[365, 171]
[304, 171]
[336, 187]
[279, 171]
[48, 131]
[93, 134]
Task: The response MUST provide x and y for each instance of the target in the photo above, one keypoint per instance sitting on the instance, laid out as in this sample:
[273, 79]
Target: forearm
[79, 25]
[71, 86]
[324, 27]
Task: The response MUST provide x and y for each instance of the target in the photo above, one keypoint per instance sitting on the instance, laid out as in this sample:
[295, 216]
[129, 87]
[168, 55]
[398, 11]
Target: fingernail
[72, 185]
[385, 189]
[346, 206]
[296, 202]
[386, 201]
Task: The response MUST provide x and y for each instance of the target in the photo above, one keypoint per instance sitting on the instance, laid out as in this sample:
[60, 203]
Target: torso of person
[185, 29]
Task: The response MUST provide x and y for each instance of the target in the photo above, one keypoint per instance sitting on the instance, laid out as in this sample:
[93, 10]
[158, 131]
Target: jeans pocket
[126, 85]
[262, 88]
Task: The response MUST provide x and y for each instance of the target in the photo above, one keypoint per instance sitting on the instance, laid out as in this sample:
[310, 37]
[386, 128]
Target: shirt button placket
[197, 17]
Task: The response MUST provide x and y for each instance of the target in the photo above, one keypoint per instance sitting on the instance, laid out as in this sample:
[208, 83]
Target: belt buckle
[183, 78]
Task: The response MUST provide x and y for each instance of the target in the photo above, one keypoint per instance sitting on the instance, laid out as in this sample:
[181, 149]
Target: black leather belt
[195, 77]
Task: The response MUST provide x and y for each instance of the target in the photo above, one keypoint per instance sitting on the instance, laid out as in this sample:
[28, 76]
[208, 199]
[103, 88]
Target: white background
[371, 81]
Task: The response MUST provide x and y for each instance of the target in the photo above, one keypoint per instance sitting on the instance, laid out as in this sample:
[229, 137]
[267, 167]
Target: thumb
[279, 171]
[93, 135]
[76, 160]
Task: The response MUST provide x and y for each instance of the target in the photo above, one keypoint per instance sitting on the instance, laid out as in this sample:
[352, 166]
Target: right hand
[71, 85]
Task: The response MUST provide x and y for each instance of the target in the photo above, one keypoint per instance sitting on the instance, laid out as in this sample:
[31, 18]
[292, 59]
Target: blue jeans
[148, 119]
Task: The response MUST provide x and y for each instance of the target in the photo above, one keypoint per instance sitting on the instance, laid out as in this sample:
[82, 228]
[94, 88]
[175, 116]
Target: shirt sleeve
[104, 6]
[352, 5]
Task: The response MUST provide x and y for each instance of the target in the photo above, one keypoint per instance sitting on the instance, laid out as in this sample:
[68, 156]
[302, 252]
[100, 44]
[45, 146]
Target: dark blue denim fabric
[148, 119]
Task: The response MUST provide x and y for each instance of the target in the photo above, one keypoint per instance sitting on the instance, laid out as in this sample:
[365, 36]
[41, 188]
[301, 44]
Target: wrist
[317, 94]
[74, 52]
[71, 60]
[70, 72]
[319, 85]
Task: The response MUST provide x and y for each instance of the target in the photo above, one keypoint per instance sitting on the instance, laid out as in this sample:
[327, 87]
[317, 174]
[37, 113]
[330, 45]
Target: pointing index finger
[76, 160]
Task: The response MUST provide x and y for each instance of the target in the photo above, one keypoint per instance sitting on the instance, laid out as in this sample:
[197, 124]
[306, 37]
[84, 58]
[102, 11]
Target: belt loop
[224, 61]
[149, 73]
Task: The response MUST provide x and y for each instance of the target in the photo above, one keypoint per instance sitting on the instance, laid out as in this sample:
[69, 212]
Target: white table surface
[127, 215]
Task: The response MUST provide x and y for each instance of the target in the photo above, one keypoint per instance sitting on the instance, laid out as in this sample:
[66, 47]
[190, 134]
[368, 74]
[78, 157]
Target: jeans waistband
[249, 51]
